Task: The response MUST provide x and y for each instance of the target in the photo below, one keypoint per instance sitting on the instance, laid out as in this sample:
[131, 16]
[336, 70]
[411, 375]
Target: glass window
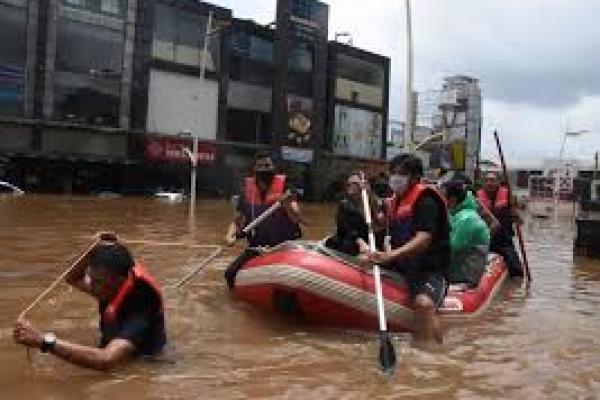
[13, 59]
[261, 49]
[305, 9]
[88, 73]
[191, 30]
[357, 70]
[165, 23]
[179, 37]
[113, 7]
[301, 58]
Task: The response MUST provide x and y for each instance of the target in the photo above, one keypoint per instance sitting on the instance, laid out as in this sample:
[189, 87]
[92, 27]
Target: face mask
[398, 183]
[265, 176]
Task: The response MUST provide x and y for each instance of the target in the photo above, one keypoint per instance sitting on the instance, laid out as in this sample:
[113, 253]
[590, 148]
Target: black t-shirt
[140, 321]
[430, 216]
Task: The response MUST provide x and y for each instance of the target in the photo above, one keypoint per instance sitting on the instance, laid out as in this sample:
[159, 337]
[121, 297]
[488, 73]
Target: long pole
[517, 226]
[259, 220]
[205, 46]
[387, 353]
[194, 156]
[194, 162]
[409, 123]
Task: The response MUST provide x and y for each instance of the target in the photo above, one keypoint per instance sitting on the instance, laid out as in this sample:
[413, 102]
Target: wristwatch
[48, 342]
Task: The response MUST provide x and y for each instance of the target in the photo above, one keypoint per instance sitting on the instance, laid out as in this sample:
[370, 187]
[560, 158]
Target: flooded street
[537, 345]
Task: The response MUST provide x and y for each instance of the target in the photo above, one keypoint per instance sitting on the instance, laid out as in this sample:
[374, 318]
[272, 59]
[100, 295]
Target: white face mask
[398, 183]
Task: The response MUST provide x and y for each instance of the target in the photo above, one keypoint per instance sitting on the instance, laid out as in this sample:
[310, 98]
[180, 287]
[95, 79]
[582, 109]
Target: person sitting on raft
[351, 236]
[261, 190]
[494, 197]
[419, 230]
[469, 236]
[131, 311]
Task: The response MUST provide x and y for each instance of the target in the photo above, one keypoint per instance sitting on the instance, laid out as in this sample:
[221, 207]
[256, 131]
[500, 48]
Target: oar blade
[387, 354]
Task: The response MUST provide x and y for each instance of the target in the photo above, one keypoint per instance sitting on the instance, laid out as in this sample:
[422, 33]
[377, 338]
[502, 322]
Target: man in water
[494, 197]
[469, 235]
[419, 229]
[130, 305]
[261, 190]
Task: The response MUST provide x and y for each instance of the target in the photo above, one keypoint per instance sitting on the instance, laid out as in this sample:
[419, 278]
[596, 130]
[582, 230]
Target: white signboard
[357, 132]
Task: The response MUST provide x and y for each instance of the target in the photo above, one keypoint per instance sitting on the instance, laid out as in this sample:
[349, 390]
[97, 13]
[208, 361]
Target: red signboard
[170, 149]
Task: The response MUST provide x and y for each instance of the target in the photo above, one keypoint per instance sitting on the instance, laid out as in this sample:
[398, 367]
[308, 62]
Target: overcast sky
[538, 61]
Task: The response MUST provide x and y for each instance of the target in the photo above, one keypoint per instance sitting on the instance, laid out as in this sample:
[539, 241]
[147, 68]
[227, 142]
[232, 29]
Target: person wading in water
[494, 197]
[131, 311]
[261, 190]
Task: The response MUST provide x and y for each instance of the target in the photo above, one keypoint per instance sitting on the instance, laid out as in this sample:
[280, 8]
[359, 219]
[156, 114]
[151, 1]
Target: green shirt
[469, 242]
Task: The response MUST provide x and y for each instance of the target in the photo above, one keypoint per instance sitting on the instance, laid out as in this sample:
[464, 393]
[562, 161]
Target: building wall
[84, 142]
[181, 103]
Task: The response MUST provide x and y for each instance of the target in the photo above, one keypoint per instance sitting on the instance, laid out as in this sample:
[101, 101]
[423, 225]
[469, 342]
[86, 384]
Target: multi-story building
[104, 94]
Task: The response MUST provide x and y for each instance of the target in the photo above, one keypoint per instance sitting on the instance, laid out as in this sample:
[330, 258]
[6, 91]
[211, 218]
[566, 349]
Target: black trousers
[511, 258]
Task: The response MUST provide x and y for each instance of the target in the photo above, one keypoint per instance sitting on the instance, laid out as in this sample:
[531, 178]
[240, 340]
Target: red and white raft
[328, 288]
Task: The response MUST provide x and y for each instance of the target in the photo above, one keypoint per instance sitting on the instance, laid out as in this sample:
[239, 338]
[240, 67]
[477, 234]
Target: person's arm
[417, 245]
[100, 359]
[292, 209]
[235, 227]
[77, 276]
[488, 217]
[425, 224]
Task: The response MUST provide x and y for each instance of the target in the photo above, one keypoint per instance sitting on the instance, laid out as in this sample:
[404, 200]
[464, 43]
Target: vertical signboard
[299, 89]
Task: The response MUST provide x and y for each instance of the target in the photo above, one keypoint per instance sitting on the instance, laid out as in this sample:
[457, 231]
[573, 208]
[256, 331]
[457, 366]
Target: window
[179, 37]
[300, 68]
[261, 49]
[305, 9]
[248, 126]
[88, 73]
[13, 59]
[357, 70]
[112, 7]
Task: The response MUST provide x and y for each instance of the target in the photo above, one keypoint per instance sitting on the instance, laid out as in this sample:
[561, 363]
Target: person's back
[469, 243]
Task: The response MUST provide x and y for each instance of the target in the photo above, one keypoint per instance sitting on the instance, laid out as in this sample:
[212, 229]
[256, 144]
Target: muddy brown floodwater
[538, 345]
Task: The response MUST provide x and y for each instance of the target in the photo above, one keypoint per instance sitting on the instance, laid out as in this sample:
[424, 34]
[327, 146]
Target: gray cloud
[538, 61]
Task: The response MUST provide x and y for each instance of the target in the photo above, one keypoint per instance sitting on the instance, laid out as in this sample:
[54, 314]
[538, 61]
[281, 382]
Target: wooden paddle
[61, 277]
[526, 271]
[387, 353]
[257, 221]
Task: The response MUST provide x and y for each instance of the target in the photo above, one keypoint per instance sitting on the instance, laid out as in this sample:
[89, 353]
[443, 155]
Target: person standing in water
[261, 190]
[131, 311]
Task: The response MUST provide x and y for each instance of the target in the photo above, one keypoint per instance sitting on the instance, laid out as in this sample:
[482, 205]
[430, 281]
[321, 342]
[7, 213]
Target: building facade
[102, 95]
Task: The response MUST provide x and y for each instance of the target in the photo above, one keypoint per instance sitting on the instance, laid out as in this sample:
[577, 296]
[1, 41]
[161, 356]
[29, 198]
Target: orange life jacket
[252, 193]
[501, 200]
[277, 228]
[139, 272]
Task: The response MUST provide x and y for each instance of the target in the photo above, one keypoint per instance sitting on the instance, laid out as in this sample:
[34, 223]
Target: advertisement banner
[170, 149]
[299, 141]
[357, 132]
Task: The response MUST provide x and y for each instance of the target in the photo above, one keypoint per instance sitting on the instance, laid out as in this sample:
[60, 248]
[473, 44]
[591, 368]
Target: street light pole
[409, 123]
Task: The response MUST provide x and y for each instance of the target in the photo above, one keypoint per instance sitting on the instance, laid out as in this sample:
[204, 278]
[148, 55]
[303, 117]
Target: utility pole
[193, 155]
[408, 119]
